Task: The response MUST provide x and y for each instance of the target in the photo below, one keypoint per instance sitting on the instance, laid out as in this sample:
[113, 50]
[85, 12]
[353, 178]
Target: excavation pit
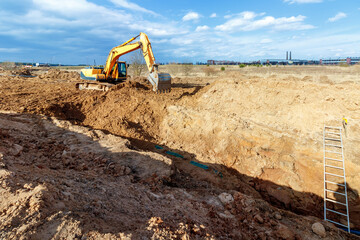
[262, 133]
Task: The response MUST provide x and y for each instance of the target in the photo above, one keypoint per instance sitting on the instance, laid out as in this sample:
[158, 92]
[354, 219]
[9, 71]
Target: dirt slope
[64, 181]
[271, 129]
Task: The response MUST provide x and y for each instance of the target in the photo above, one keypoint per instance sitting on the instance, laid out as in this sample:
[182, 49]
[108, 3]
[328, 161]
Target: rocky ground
[125, 163]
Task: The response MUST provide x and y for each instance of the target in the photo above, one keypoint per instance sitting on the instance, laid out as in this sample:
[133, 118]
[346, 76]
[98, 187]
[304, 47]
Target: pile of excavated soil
[16, 71]
[130, 109]
[61, 181]
[33, 94]
[22, 71]
[58, 74]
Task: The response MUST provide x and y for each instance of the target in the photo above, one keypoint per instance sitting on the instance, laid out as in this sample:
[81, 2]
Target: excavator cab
[122, 66]
[118, 73]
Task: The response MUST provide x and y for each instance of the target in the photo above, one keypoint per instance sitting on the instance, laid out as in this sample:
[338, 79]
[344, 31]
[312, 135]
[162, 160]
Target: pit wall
[243, 125]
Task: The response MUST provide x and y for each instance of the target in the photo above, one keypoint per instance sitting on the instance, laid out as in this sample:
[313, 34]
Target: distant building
[222, 62]
[289, 62]
[348, 60]
[42, 65]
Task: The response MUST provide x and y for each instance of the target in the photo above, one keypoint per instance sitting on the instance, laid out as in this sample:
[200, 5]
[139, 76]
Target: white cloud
[71, 13]
[182, 42]
[213, 15]
[191, 16]
[9, 50]
[266, 40]
[338, 16]
[202, 28]
[303, 1]
[56, 16]
[131, 6]
[70, 8]
[246, 21]
[259, 54]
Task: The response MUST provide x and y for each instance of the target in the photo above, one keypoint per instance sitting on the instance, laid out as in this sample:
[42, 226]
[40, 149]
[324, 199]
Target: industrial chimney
[287, 55]
[290, 55]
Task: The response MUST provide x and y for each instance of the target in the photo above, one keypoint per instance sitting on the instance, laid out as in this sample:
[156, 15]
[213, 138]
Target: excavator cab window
[122, 69]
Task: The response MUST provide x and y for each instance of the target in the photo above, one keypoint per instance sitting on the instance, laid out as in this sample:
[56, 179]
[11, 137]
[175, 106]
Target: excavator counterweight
[115, 71]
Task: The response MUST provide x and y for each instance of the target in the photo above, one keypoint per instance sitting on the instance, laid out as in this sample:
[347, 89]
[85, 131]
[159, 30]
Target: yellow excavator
[116, 71]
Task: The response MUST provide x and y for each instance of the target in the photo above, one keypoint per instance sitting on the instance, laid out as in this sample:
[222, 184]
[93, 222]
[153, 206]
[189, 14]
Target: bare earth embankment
[78, 164]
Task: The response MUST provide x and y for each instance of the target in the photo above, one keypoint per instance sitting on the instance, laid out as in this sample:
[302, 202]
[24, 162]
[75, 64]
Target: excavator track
[94, 86]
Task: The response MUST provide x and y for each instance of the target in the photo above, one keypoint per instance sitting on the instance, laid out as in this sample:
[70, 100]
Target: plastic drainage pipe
[174, 154]
[356, 232]
[199, 165]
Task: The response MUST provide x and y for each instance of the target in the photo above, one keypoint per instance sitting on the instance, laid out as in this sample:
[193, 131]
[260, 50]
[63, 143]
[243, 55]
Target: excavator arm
[116, 53]
[160, 81]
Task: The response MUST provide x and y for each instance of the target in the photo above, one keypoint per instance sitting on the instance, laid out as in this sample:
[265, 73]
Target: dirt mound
[142, 80]
[58, 74]
[139, 83]
[22, 72]
[16, 71]
[130, 109]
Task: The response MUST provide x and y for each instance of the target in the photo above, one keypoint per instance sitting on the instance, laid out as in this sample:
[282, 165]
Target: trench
[207, 125]
[141, 116]
[221, 125]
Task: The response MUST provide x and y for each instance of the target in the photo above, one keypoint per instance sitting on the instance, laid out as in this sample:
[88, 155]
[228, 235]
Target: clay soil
[234, 155]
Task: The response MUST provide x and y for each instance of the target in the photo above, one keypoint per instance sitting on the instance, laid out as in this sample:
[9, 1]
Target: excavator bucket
[161, 81]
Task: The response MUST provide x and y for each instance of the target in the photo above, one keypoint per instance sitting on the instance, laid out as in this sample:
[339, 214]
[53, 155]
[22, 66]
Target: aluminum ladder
[336, 207]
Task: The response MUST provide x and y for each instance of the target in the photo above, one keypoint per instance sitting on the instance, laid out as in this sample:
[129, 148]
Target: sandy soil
[79, 164]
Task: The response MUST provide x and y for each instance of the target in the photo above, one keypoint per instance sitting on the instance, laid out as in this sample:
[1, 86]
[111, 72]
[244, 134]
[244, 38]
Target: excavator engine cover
[100, 77]
[161, 81]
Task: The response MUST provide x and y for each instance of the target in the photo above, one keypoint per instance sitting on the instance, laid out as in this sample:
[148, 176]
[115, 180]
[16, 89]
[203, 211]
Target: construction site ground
[234, 154]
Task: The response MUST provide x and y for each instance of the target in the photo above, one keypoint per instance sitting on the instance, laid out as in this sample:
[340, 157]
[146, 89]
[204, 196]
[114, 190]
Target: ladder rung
[334, 174]
[333, 133]
[339, 160]
[333, 167]
[333, 152]
[336, 223]
[335, 192]
[332, 145]
[332, 127]
[333, 139]
[339, 184]
[331, 200]
[336, 212]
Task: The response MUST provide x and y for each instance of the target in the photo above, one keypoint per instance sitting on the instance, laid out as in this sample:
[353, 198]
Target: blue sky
[79, 31]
